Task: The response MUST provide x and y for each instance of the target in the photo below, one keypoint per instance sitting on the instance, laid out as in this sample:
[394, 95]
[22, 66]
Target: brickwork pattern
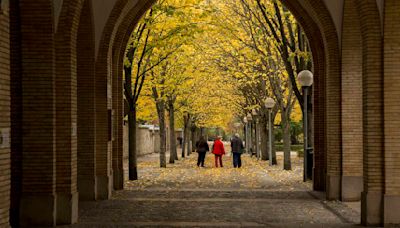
[372, 95]
[66, 97]
[38, 111]
[86, 104]
[38, 71]
[352, 92]
[391, 92]
[5, 170]
[16, 113]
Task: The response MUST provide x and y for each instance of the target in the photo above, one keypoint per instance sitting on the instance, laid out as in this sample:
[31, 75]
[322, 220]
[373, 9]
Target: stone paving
[183, 195]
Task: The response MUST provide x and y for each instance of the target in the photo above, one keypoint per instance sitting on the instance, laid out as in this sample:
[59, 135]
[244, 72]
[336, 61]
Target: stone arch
[86, 109]
[373, 135]
[322, 34]
[352, 136]
[391, 110]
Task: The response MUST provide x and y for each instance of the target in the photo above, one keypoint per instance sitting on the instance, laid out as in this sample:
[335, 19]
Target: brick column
[87, 184]
[319, 141]
[352, 141]
[16, 113]
[331, 93]
[103, 146]
[4, 115]
[392, 110]
[38, 201]
[372, 196]
[117, 156]
[66, 113]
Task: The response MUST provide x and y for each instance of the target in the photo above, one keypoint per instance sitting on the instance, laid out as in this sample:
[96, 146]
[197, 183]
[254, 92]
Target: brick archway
[321, 32]
[65, 137]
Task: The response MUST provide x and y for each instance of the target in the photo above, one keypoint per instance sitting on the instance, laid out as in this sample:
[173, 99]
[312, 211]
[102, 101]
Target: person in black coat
[201, 149]
[237, 150]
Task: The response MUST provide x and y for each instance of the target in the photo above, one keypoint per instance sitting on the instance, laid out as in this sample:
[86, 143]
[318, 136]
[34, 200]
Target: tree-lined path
[183, 195]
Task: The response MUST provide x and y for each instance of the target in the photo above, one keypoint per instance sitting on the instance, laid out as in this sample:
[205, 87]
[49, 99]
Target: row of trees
[265, 51]
[199, 63]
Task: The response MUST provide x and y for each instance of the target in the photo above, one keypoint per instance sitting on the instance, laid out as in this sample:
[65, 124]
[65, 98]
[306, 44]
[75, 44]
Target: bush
[298, 147]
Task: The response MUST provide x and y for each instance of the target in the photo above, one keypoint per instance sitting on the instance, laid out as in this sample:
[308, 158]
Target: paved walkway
[183, 195]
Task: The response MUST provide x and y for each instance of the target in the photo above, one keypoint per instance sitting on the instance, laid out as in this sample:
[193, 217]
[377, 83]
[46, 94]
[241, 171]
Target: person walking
[237, 149]
[201, 149]
[218, 150]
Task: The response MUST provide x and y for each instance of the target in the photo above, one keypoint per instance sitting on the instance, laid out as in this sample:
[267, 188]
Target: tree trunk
[188, 131]
[286, 141]
[253, 138]
[184, 136]
[172, 140]
[163, 133]
[193, 136]
[132, 143]
[264, 137]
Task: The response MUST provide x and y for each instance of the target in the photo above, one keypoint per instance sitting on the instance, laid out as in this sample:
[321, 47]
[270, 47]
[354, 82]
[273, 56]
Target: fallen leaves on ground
[184, 173]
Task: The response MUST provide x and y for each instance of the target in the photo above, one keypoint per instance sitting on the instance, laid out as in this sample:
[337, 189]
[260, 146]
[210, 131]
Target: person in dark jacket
[201, 149]
[237, 149]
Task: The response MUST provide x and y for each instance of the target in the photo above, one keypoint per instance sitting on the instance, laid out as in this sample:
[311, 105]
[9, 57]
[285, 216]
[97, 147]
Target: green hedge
[298, 148]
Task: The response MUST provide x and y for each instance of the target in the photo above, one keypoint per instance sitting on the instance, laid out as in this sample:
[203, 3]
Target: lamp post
[255, 145]
[305, 78]
[269, 104]
[245, 132]
[250, 130]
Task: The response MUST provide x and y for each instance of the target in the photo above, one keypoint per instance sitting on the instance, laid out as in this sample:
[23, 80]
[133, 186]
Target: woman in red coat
[218, 150]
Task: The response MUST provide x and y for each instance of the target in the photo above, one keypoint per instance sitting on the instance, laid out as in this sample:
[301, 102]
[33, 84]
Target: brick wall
[4, 115]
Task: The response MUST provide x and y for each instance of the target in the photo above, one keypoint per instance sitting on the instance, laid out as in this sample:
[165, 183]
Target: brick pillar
[319, 142]
[103, 146]
[66, 113]
[4, 115]
[118, 172]
[352, 141]
[392, 110]
[87, 184]
[372, 196]
[38, 200]
[16, 113]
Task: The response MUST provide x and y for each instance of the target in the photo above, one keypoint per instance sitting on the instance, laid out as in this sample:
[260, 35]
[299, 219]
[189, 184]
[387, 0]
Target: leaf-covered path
[183, 195]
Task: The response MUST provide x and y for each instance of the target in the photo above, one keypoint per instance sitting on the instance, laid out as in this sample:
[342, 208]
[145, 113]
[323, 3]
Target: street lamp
[305, 78]
[256, 131]
[269, 104]
[245, 132]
